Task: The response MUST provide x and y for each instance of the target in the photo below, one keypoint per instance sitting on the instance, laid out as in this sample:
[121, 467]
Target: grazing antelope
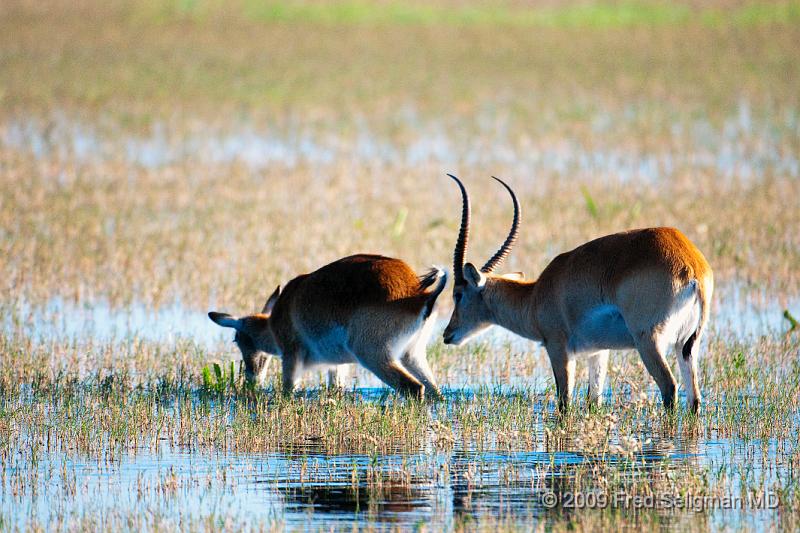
[647, 289]
[369, 309]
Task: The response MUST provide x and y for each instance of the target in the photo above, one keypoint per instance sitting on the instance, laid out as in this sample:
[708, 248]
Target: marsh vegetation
[161, 160]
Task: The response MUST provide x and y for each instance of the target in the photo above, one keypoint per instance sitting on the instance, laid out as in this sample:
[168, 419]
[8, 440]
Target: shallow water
[100, 321]
[739, 312]
[304, 487]
[742, 146]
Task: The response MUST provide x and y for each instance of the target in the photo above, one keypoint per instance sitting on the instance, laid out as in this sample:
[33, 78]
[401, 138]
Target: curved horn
[505, 249]
[463, 235]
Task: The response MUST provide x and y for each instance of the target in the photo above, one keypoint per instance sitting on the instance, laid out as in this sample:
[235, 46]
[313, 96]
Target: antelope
[647, 289]
[365, 309]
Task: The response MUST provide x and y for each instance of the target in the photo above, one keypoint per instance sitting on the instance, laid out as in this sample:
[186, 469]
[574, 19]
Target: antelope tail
[704, 288]
[430, 278]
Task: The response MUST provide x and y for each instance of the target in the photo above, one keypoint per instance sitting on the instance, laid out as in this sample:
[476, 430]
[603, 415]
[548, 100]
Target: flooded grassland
[155, 164]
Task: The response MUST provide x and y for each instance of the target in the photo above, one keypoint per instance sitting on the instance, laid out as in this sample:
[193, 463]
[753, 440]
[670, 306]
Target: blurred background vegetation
[165, 149]
[335, 58]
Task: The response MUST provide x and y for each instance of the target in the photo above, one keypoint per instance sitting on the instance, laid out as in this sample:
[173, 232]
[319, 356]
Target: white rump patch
[684, 319]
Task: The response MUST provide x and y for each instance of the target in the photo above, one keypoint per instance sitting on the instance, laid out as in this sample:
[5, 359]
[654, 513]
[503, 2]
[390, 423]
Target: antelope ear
[225, 320]
[514, 276]
[474, 277]
[271, 301]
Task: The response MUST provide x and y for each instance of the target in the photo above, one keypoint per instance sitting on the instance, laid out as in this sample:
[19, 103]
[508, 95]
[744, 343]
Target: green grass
[218, 379]
[152, 65]
[592, 15]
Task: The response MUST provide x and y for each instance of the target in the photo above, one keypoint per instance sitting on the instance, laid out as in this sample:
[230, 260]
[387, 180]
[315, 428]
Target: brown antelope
[647, 289]
[369, 309]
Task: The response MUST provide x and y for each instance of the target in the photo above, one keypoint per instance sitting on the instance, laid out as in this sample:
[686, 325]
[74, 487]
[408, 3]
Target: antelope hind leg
[687, 361]
[393, 374]
[653, 358]
[415, 360]
[419, 368]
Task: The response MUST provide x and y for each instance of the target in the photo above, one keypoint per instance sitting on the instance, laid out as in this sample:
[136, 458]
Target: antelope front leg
[598, 368]
[291, 369]
[339, 375]
[564, 372]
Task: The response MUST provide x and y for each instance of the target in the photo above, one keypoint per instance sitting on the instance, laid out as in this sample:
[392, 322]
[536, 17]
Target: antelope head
[472, 314]
[253, 336]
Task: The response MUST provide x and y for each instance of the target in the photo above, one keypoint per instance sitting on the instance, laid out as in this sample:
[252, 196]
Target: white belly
[329, 349]
[602, 328]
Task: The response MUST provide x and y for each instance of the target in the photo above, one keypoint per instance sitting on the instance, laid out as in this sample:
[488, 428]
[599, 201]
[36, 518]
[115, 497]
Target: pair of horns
[463, 235]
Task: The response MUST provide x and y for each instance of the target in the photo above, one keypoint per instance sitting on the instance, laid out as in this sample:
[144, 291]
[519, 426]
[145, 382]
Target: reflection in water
[388, 503]
[477, 484]
[337, 488]
[326, 499]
